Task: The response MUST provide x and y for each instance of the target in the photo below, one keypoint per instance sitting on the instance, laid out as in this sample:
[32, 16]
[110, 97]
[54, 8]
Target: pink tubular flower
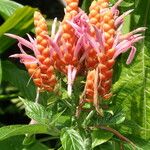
[103, 42]
[83, 43]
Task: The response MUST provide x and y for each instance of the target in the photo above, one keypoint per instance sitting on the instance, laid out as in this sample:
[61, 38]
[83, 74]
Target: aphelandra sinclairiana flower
[103, 42]
[39, 66]
[83, 43]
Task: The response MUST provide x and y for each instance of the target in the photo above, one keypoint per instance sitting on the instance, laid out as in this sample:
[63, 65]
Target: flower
[103, 42]
[83, 43]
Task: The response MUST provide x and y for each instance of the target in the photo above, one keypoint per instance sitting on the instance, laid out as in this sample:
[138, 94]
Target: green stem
[87, 119]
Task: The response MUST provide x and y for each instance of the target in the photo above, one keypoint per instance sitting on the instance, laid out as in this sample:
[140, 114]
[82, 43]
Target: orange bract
[46, 63]
[68, 39]
[105, 22]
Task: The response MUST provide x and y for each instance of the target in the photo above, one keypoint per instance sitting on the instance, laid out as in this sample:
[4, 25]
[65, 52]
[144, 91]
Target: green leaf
[100, 136]
[132, 90]
[140, 143]
[36, 111]
[71, 140]
[18, 78]
[15, 143]
[111, 118]
[86, 136]
[19, 23]
[85, 5]
[8, 7]
[13, 130]
[0, 72]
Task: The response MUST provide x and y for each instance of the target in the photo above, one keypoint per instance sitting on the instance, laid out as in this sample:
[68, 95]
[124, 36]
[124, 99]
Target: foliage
[54, 115]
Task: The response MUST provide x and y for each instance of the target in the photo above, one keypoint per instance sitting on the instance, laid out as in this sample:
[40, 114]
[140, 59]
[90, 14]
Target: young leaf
[8, 131]
[100, 136]
[8, 7]
[71, 140]
[132, 90]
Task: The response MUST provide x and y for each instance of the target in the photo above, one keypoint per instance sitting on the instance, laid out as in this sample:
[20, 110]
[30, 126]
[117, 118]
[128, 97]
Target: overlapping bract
[83, 43]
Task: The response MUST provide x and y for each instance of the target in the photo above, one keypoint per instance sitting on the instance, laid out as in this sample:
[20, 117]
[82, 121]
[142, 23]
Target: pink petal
[131, 55]
[21, 40]
[26, 59]
[116, 5]
[93, 43]
[73, 75]
[78, 46]
[119, 20]
[69, 88]
[100, 37]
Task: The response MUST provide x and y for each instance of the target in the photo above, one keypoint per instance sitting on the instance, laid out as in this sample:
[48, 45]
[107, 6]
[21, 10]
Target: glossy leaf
[20, 23]
[13, 130]
[132, 90]
[7, 8]
[71, 140]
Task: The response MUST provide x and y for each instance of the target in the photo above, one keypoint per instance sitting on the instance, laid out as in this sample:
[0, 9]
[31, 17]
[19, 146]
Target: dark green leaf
[8, 131]
[19, 23]
[85, 5]
[71, 140]
[15, 143]
[100, 136]
[18, 78]
[8, 7]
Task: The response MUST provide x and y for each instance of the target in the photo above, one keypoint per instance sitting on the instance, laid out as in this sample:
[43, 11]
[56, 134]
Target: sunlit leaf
[100, 136]
[8, 131]
[132, 90]
[20, 23]
[8, 7]
[71, 140]
[36, 111]
[39, 114]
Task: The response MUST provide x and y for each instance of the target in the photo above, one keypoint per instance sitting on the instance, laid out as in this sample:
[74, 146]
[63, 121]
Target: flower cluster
[87, 43]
